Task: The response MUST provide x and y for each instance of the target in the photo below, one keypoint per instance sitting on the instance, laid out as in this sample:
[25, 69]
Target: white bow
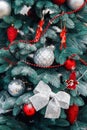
[54, 102]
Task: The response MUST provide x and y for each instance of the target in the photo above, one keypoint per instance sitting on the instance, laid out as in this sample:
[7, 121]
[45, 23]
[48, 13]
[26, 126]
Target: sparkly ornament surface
[5, 8]
[16, 87]
[44, 57]
[59, 2]
[70, 64]
[75, 4]
[29, 110]
[72, 113]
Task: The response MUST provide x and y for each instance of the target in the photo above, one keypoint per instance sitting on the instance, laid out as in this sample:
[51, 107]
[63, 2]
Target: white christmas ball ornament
[5, 8]
[16, 87]
[44, 57]
[75, 4]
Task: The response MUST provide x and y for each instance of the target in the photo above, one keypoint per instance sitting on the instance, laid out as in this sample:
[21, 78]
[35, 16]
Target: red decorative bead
[70, 64]
[59, 2]
[72, 113]
[12, 33]
[29, 110]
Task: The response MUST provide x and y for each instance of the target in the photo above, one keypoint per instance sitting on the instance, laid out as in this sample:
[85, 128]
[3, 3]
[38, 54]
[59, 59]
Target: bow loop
[42, 88]
[39, 101]
[64, 99]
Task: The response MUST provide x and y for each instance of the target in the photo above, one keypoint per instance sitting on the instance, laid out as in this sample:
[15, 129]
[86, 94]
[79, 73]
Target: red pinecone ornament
[29, 110]
[12, 33]
[72, 113]
[70, 64]
[59, 2]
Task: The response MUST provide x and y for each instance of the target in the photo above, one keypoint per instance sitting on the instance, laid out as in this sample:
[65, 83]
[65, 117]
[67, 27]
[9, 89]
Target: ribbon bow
[54, 102]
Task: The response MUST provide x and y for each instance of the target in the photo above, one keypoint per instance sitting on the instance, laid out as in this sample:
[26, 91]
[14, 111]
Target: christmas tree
[43, 64]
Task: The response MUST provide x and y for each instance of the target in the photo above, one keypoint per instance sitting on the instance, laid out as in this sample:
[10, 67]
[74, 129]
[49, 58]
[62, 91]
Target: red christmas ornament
[59, 2]
[63, 38]
[39, 31]
[12, 33]
[72, 82]
[29, 110]
[70, 64]
[72, 113]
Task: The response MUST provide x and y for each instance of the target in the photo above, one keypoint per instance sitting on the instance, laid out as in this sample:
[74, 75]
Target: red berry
[29, 110]
[70, 64]
[72, 113]
[59, 2]
[12, 33]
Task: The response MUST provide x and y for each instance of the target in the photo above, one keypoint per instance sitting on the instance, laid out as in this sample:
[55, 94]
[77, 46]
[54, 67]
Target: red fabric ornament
[63, 38]
[39, 31]
[59, 2]
[72, 113]
[12, 33]
[70, 64]
[29, 110]
[72, 82]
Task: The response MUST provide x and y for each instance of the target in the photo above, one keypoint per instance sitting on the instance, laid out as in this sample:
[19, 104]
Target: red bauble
[70, 64]
[12, 33]
[72, 113]
[29, 110]
[59, 2]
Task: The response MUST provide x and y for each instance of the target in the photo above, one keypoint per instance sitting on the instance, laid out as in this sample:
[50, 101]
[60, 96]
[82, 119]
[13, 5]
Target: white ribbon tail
[64, 99]
[53, 109]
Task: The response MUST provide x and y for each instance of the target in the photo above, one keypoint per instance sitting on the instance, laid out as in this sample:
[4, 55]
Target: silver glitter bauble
[75, 4]
[16, 87]
[44, 57]
[5, 8]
